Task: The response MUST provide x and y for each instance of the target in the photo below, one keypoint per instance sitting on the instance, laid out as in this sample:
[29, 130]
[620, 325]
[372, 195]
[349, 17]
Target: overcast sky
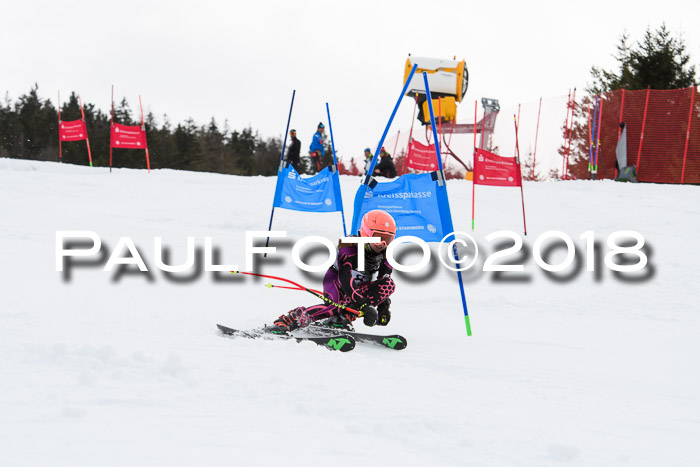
[240, 61]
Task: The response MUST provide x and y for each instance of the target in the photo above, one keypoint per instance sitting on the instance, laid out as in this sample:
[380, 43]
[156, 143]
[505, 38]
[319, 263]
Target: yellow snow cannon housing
[446, 77]
[445, 109]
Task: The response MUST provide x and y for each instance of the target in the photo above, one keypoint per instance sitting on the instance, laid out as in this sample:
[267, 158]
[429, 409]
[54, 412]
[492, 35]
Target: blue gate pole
[597, 139]
[284, 146]
[592, 142]
[388, 125]
[335, 162]
[365, 183]
[432, 121]
[454, 245]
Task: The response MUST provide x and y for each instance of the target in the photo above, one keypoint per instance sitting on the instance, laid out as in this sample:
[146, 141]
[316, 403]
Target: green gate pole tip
[90, 164]
[469, 326]
[472, 224]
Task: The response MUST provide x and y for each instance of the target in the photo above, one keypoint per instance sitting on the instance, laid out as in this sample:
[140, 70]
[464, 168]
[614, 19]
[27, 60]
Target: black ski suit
[293, 153]
[386, 167]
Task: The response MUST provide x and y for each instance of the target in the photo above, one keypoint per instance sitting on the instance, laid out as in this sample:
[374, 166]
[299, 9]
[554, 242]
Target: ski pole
[301, 287]
[316, 293]
[319, 295]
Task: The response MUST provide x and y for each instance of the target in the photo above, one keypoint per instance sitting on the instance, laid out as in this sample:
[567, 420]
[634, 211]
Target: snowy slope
[106, 369]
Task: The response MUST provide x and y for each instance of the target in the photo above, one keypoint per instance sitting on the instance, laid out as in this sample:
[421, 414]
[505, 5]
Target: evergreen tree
[99, 132]
[38, 127]
[242, 145]
[187, 154]
[9, 129]
[659, 61]
[267, 156]
[212, 147]
[122, 113]
[157, 141]
[527, 168]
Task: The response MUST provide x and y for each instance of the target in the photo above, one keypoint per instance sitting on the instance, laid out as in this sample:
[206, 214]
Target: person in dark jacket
[293, 151]
[386, 167]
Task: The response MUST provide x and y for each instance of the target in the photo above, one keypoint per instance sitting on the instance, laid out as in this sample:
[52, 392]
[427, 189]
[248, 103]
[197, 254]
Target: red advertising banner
[127, 137]
[72, 131]
[421, 157]
[494, 170]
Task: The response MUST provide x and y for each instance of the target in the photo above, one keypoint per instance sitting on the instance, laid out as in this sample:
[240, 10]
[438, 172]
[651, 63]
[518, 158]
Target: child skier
[345, 284]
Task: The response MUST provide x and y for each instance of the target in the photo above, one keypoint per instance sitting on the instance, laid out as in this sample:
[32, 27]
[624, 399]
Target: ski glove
[370, 316]
[383, 317]
[368, 312]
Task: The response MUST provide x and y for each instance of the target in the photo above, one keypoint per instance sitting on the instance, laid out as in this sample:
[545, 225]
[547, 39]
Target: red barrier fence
[663, 134]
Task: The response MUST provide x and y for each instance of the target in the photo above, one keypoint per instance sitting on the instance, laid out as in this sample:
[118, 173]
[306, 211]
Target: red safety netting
[72, 131]
[659, 142]
[690, 172]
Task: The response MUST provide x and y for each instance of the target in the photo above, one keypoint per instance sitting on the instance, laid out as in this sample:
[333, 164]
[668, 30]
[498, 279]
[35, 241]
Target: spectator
[368, 160]
[293, 151]
[316, 149]
[386, 167]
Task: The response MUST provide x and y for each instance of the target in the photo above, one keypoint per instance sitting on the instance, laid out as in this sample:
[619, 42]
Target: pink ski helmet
[378, 223]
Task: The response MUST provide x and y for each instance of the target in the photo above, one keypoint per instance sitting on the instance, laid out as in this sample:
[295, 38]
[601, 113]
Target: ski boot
[285, 323]
[344, 318]
[339, 322]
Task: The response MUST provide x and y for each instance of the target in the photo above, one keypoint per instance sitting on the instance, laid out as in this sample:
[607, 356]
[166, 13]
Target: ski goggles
[385, 237]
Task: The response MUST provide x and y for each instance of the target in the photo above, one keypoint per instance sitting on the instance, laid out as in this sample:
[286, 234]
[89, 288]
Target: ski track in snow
[108, 369]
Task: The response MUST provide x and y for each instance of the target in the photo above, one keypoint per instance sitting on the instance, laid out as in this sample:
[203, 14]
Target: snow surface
[102, 368]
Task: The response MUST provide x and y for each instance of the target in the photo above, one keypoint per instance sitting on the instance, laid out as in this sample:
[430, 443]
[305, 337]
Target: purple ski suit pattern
[345, 284]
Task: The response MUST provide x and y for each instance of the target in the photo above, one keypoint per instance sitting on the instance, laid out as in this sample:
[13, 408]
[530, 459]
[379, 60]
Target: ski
[338, 341]
[393, 341]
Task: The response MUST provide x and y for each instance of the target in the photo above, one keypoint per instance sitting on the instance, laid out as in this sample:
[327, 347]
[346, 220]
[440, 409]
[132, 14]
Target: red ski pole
[316, 293]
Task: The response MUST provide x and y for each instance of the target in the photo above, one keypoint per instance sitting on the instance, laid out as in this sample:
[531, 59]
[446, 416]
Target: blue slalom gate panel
[320, 193]
[418, 203]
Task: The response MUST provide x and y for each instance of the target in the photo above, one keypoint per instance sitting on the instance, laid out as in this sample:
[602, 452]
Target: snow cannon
[448, 80]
